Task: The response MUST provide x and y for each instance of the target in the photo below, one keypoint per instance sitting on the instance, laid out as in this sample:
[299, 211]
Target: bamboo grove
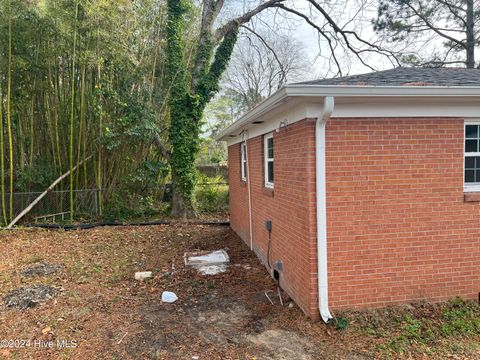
[81, 78]
[123, 83]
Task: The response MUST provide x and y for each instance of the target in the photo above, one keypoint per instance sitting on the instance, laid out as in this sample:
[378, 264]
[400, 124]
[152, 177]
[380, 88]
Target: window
[269, 160]
[243, 161]
[472, 157]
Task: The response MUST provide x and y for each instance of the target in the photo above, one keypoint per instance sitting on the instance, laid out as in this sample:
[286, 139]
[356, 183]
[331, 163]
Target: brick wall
[291, 207]
[398, 226]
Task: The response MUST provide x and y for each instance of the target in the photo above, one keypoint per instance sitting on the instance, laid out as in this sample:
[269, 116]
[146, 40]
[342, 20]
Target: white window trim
[243, 162]
[266, 159]
[469, 187]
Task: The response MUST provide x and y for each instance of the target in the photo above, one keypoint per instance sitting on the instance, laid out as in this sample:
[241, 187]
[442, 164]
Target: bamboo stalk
[99, 159]
[9, 118]
[72, 112]
[32, 127]
[82, 122]
[2, 160]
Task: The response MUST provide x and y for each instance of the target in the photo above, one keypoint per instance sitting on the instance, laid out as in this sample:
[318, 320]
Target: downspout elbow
[328, 106]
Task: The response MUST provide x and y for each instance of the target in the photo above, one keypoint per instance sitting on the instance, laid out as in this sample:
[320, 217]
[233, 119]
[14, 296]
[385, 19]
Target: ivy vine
[187, 103]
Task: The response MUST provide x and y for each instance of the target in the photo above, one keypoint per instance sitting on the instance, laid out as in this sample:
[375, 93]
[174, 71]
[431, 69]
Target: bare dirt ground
[101, 312]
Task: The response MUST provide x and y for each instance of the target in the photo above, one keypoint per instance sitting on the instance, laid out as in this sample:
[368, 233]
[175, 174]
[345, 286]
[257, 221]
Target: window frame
[266, 160]
[243, 161]
[470, 187]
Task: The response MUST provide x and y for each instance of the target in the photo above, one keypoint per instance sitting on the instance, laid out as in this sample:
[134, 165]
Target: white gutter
[321, 191]
[249, 189]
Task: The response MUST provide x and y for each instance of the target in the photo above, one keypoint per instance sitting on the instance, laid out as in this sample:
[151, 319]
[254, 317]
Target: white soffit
[294, 103]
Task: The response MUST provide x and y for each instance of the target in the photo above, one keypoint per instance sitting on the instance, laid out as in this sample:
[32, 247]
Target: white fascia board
[381, 91]
[253, 114]
[402, 107]
[364, 99]
[290, 112]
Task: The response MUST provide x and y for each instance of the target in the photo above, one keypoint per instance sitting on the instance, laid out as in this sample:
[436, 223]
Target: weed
[461, 318]
[412, 328]
[341, 324]
[456, 319]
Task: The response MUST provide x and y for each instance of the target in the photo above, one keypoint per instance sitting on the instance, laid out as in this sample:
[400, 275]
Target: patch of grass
[85, 310]
[370, 331]
[32, 259]
[410, 334]
[461, 318]
[121, 269]
[77, 271]
[67, 353]
[5, 277]
[96, 269]
[455, 320]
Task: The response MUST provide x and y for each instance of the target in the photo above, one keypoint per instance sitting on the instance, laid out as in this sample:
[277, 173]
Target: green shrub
[133, 206]
[211, 195]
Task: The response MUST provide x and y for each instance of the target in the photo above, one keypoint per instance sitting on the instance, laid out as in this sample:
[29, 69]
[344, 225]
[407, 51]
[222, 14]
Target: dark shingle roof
[408, 76]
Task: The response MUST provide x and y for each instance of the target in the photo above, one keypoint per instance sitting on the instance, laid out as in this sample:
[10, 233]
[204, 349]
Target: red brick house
[363, 191]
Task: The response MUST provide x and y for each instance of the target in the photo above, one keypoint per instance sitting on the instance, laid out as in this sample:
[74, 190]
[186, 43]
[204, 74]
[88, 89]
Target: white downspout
[249, 189]
[327, 110]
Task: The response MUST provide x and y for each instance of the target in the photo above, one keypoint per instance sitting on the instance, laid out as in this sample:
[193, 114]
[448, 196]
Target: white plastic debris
[208, 263]
[143, 275]
[169, 297]
[212, 269]
[215, 257]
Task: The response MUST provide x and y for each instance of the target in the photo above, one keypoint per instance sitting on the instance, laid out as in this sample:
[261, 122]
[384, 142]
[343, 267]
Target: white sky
[342, 11]
[354, 15]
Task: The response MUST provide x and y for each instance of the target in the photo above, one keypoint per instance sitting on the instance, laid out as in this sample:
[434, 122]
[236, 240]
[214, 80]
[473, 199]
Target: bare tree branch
[320, 31]
[432, 27]
[371, 47]
[243, 19]
[344, 33]
[280, 64]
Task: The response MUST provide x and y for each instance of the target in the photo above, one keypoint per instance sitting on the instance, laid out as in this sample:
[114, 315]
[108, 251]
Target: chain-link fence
[55, 206]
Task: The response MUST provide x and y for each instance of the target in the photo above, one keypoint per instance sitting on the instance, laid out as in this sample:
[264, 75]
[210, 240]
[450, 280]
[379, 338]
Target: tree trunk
[184, 139]
[193, 87]
[182, 207]
[470, 33]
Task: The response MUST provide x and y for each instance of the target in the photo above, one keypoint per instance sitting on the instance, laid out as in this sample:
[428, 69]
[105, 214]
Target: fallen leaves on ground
[103, 313]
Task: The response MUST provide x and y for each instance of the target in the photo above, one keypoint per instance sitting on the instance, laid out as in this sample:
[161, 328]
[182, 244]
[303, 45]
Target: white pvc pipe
[320, 168]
